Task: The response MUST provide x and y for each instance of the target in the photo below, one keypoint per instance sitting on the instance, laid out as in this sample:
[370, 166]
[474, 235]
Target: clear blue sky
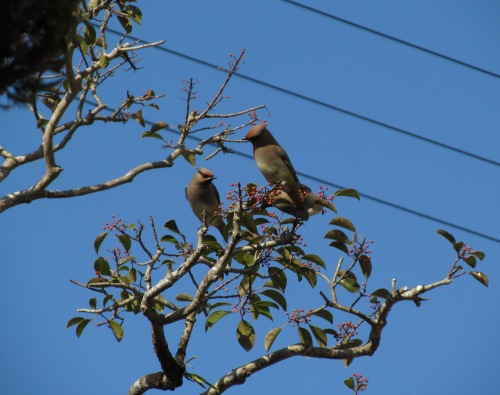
[449, 345]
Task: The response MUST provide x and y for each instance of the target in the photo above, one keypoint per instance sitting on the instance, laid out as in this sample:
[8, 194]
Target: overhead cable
[392, 38]
[321, 103]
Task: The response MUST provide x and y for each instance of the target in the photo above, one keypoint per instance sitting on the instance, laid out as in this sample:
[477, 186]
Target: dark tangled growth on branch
[33, 40]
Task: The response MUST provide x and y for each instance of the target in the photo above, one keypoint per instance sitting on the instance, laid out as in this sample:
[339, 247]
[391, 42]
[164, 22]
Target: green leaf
[349, 192]
[245, 335]
[249, 259]
[126, 24]
[190, 157]
[325, 314]
[349, 344]
[89, 34]
[132, 275]
[244, 286]
[83, 44]
[41, 123]
[172, 226]
[347, 274]
[337, 235]
[349, 383]
[350, 285]
[340, 246]
[458, 245]
[96, 280]
[81, 326]
[315, 259]
[446, 235]
[93, 4]
[343, 223]
[117, 330]
[101, 266]
[169, 239]
[276, 296]
[305, 337]
[137, 116]
[184, 298]
[159, 126]
[214, 317]
[128, 258]
[277, 279]
[325, 203]
[248, 222]
[366, 265]
[348, 361]
[478, 254]
[270, 337]
[381, 293]
[151, 134]
[134, 13]
[103, 61]
[98, 241]
[332, 332]
[319, 335]
[125, 241]
[259, 309]
[106, 299]
[93, 302]
[309, 274]
[470, 260]
[74, 321]
[481, 277]
[197, 379]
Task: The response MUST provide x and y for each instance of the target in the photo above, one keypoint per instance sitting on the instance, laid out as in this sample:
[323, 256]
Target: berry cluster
[117, 224]
[322, 193]
[465, 252]
[118, 254]
[347, 330]
[360, 248]
[309, 264]
[299, 316]
[361, 382]
[242, 305]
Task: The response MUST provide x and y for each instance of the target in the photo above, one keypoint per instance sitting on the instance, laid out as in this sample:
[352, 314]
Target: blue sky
[447, 346]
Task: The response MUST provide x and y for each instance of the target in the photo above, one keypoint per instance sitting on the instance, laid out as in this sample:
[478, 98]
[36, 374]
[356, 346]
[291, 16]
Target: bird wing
[216, 193]
[286, 160]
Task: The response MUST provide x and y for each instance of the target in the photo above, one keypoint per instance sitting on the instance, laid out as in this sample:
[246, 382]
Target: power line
[363, 195]
[392, 38]
[320, 103]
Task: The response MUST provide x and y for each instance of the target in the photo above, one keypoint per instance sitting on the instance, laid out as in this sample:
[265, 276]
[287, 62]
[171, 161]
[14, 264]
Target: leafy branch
[89, 63]
[262, 255]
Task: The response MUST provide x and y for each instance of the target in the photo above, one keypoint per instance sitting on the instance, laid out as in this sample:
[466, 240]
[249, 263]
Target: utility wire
[392, 38]
[320, 103]
[331, 184]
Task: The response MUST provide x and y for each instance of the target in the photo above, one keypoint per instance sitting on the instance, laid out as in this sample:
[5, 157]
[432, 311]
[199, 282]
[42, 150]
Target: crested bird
[275, 166]
[203, 196]
[313, 203]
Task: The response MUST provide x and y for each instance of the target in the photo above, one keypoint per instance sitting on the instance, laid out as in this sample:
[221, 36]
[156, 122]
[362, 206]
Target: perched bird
[312, 202]
[276, 166]
[203, 196]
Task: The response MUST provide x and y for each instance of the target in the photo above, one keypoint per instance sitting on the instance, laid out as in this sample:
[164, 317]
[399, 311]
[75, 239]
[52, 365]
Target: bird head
[205, 174]
[255, 132]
